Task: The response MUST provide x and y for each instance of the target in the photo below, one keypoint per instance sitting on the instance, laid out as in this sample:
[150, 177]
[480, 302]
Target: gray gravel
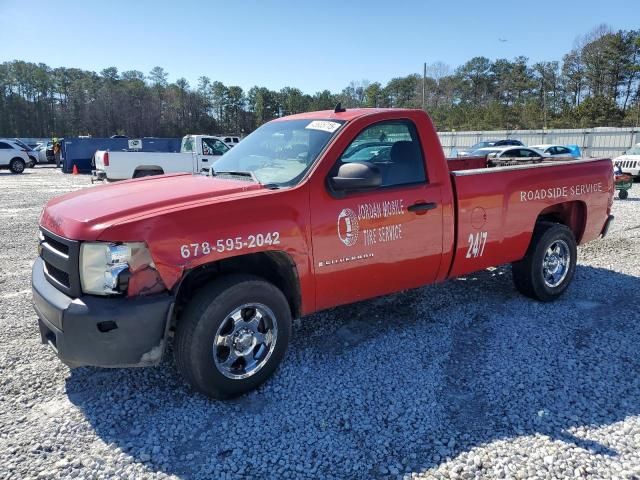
[461, 380]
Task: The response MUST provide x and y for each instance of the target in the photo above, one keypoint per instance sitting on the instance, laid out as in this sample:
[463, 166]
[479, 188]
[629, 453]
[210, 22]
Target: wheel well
[276, 267]
[148, 168]
[17, 158]
[570, 214]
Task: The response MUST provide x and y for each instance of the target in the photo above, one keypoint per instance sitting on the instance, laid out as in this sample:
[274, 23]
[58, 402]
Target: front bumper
[101, 332]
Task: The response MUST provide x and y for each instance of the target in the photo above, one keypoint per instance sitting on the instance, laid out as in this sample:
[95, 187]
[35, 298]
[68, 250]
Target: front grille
[61, 259]
[59, 246]
[627, 163]
[60, 276]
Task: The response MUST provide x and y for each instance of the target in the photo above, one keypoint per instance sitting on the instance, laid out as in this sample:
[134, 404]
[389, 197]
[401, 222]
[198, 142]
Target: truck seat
[406, 164]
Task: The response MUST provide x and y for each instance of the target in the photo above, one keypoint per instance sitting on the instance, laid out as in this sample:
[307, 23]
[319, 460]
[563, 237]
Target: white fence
[593, 142]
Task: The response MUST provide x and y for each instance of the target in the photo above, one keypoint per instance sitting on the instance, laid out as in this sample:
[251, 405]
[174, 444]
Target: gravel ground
[461, 380]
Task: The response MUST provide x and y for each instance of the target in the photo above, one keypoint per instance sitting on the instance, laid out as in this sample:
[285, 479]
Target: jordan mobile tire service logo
[348, 227]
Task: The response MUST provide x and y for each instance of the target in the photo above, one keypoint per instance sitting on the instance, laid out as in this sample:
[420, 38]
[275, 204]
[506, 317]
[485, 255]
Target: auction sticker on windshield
[324, 125]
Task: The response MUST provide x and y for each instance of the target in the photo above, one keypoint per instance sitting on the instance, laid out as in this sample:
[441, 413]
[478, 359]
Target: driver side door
[385, 239]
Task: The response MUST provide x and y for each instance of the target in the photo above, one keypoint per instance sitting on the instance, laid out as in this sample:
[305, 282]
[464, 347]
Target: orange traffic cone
[75, 170]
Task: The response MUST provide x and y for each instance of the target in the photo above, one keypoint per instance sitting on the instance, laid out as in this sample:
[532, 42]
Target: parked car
[45, 153]
[488, 143]
[630, 161]
[509, 152]
[558, 150]
[230, 141]
[13, 156]
[33, 156]
[197, 154]
[289, 226]
[40, 150]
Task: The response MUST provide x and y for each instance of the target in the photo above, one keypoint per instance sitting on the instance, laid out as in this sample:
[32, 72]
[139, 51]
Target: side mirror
[356, 176]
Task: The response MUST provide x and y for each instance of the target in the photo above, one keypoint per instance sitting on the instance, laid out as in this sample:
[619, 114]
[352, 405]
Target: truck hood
[627, 157]
[85, 214]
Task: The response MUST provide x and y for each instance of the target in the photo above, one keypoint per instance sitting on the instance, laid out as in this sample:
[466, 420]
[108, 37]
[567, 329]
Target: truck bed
[457, 164]
[499, 206]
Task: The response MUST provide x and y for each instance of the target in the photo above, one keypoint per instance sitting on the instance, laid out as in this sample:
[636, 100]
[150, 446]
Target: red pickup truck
[308, 212]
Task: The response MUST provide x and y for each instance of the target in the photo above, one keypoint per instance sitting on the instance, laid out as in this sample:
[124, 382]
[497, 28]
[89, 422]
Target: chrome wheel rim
[556, 263]
[245, 341]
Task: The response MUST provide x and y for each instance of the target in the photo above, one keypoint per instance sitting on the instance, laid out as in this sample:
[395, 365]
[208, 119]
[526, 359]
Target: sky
[310, 45]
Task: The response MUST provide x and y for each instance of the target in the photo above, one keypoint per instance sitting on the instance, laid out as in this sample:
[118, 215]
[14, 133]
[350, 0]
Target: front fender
[189, 237]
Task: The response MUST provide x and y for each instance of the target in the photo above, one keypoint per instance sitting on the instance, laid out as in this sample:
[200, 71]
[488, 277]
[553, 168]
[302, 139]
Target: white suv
[230, 141]
[13, 156]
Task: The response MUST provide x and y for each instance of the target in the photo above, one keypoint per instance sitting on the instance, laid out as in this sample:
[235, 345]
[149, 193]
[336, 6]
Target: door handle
[422, 207]
[204, 160]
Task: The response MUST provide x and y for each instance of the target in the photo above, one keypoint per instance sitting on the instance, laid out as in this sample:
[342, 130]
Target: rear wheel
[17, 165]
[232, 335]
[549, 265]
[623, 194]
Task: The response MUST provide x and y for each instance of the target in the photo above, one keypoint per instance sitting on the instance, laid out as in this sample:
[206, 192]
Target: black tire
[623, 194]
[17, 165]
[528, 275]
[146, 173]
[205, 314]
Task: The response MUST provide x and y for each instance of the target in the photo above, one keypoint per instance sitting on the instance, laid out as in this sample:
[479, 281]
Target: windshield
[22, 144]
[279, 153]
[481, 145]
[484, 151]
[634, 151]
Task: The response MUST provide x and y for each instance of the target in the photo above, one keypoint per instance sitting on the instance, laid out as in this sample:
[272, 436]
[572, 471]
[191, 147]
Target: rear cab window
[187, 144]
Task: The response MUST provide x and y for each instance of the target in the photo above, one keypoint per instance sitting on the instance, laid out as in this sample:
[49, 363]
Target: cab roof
[348, 115]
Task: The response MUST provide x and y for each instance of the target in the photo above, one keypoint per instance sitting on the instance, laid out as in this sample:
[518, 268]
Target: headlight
[105, 268]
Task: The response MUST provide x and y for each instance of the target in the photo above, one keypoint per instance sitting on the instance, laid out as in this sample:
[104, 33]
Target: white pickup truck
[197, 154]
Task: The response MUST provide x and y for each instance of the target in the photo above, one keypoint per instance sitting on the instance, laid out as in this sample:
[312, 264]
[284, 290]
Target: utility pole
[424, 83]
[544, 101]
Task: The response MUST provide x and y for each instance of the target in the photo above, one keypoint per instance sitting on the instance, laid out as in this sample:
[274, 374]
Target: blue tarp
[80, 151]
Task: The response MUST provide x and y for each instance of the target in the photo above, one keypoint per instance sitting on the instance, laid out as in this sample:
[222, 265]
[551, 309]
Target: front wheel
[623, 194]
[232, 335]
[549, 265]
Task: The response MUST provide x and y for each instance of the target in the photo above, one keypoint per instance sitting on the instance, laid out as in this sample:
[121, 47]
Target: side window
[205, 148]
[212, 146]
[563, 151]
[236, 140]
[552, 150]
[514, 152]
[4, 146]
[219, 147]
[394, 148]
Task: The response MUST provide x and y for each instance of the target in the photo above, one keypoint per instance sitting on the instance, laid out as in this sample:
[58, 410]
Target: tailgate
[98, 158]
